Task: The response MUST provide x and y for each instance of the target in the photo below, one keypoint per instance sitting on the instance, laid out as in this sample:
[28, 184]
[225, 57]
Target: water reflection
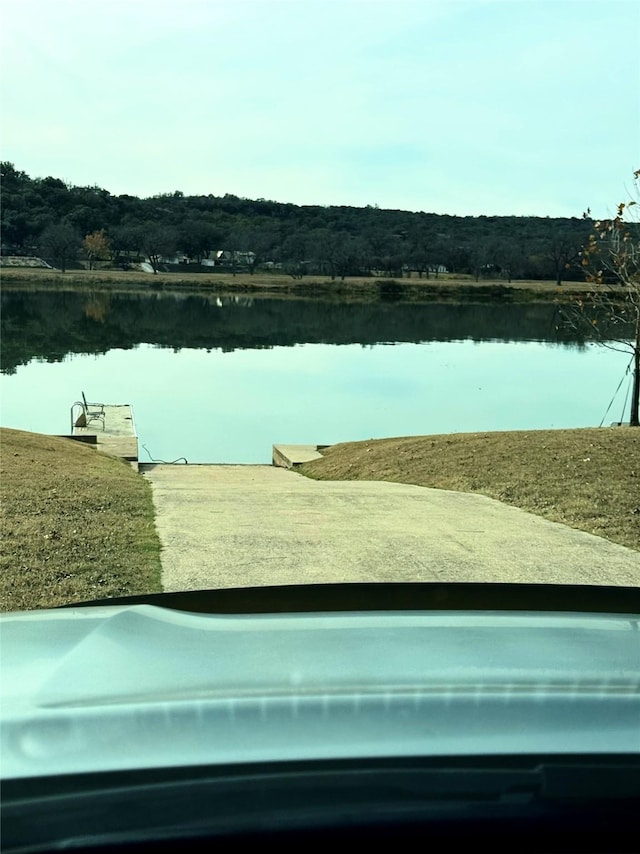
[50, 325]
[223, 382]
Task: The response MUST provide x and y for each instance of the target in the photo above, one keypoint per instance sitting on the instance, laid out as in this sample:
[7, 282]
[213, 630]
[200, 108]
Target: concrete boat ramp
[248, 525]
[254, 525]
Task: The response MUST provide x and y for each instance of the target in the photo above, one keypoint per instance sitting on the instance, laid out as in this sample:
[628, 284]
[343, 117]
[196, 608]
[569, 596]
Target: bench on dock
[93, 411]
[89, 412]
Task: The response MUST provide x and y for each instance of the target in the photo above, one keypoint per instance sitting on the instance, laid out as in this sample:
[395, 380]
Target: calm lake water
[222, 380]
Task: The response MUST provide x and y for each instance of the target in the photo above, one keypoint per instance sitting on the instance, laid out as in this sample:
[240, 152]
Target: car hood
[110, 687]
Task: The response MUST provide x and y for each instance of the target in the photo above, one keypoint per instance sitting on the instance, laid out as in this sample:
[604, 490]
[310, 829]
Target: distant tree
[510, 259]
[420, 254]
[315, 250]
[96, 247]
[251, 246]
[55, 194]
[295, 254]
[437, 253]
[11, 179]
[609, 313]
[377, 239]
[264, 242]
[479, 254]
[455, 255]
[159, 241]
[344, 255]
[562, 250]
[15, 232]
[236, 250]
[126, 241]
[19, 221]
[60, 243]
[390, 256]
[85, 219]
[197, 238]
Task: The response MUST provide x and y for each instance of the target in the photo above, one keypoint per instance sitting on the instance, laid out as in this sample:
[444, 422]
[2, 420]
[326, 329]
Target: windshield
[320, 373]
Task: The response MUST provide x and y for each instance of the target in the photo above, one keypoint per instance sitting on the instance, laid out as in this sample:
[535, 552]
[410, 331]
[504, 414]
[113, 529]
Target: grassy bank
[271, 284]
[77, 524]
[588, 479]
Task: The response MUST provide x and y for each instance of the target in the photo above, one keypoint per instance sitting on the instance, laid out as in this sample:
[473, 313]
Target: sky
[462, 107]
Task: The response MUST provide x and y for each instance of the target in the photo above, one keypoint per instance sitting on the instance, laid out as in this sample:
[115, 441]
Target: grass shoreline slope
[585, 478]
[77, 525]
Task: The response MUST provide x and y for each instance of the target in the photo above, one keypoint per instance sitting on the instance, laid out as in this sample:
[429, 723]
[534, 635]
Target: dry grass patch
[77, 525]
[588, 478]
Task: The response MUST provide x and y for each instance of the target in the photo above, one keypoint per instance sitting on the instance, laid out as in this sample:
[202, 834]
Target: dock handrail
[80, 419]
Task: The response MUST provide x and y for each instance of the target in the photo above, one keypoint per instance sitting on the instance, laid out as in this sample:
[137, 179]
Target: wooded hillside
[71, 226]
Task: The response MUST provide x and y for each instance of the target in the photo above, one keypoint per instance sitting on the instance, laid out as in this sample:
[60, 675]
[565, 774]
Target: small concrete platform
[288, 456]
[115, 434]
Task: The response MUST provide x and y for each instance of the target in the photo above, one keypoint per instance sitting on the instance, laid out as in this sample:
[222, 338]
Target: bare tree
[609, 313]
[60, 242]
[159, 241]
[563, 252]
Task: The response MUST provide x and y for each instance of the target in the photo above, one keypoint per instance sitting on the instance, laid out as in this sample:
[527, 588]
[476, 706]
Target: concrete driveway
[247, 525]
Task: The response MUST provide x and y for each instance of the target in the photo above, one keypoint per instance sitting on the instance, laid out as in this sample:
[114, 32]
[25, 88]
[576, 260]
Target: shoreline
[278, 286]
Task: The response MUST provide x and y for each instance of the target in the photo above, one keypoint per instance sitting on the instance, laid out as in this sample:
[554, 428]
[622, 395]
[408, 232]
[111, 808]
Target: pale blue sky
[464, 107]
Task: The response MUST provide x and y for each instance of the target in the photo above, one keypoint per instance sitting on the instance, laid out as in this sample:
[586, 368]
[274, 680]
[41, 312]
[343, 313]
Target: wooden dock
[113, 434]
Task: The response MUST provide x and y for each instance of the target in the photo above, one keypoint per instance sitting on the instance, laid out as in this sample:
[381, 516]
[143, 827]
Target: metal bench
[88, 412]
[93, 411]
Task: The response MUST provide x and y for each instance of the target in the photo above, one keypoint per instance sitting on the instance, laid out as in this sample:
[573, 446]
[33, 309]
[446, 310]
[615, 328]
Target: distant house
[164, 263]
[228, 258]
[176, 259]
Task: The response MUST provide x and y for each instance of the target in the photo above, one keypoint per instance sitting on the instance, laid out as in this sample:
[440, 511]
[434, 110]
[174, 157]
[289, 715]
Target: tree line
[72, 226]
